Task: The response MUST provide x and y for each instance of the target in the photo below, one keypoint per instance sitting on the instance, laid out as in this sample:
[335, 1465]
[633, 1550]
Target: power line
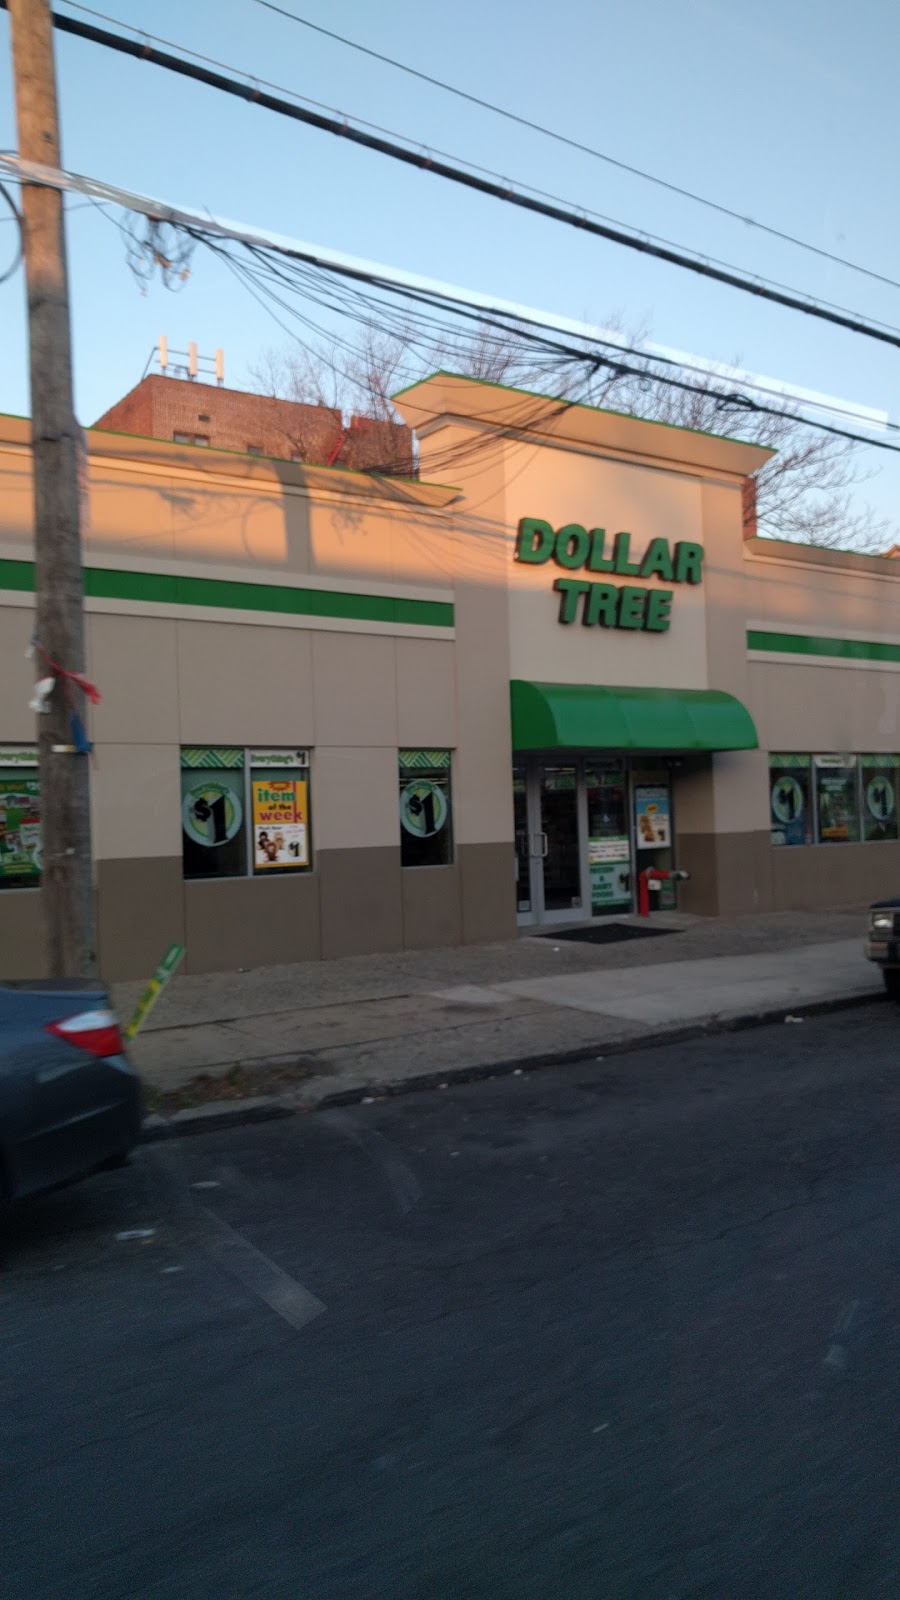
[568, 353]
[469, 166]
[15, 216]
[791, 299]
[733, 399]
[528, 326]
[573, 144]
[483, 450]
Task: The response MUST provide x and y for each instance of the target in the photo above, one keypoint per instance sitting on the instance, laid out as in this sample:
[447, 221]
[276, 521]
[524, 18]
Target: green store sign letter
[609, 605]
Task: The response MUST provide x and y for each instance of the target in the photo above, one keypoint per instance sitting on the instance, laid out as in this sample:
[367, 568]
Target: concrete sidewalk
[369, 1023]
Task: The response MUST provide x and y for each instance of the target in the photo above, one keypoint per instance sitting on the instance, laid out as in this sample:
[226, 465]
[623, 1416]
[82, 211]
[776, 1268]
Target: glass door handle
[543, 849]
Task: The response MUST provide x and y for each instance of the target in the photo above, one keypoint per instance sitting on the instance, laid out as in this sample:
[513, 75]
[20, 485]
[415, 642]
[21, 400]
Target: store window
[790, 807]
[213, 813]
[653, 828]
[244, 812]
[879, 778]
[279, 811]
[609, 841]
[426, 810]
[837, 799]
[20, 818]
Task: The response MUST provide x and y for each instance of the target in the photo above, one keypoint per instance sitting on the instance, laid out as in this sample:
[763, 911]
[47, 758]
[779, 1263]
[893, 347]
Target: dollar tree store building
[345, 714]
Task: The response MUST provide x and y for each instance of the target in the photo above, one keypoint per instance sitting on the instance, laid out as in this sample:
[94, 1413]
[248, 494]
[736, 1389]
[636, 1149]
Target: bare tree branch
[805, 493]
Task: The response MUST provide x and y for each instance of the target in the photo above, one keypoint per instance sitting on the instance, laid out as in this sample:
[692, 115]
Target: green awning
[582, 716]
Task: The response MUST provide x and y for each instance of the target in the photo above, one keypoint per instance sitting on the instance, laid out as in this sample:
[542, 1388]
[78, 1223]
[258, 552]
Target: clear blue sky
[786, 113]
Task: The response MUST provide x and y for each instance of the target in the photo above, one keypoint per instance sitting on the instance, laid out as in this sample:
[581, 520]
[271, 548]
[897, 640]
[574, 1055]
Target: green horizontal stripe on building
[107, 583]
[804, 644]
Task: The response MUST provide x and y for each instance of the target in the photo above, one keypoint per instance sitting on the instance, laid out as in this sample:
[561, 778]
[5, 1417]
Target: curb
[570, 1058]
[216, 1115]
[213, 1116]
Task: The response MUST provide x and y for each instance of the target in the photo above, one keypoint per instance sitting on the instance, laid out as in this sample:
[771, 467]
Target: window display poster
[879, 790]
[280, 823]
[211, 808]
[423, 807]
[789, 800]
[608, 850]
[836, 795]
[610, 866]
[20, 828]
[652, 816]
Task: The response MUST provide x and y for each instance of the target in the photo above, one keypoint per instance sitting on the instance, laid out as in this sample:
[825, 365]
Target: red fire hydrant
[651, 878]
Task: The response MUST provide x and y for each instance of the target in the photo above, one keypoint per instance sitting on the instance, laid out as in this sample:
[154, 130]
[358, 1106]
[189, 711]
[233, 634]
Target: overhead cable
[470, 166]
[530, 325]
[612, 362]
[791, 299]
[565, 139]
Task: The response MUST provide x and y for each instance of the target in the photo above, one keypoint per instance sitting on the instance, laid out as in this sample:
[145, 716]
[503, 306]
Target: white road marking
[198, 1226]
[282, 1293]
[137, 1233]
[837, 1354]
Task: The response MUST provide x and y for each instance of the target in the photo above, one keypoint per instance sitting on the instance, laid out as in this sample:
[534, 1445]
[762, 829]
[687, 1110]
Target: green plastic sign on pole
[154, 989]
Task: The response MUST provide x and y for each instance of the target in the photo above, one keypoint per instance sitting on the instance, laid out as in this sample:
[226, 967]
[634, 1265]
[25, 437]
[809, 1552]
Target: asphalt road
[626, 1330]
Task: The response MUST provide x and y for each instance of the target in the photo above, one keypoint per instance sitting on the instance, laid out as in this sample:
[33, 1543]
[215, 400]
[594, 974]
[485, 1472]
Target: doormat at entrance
[607, 933]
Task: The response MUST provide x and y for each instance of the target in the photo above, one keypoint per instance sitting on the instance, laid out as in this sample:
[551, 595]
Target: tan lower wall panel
[815, 876]
[733, 874]
[361, 900]
[432, 909]
[140, 912]
[487, 875]
[21, 934]
[251, 922]
[696, 854]
[730, 873]
[744, 871]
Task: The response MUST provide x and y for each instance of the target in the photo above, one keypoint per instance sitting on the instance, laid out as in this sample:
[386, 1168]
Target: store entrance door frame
[575, 819]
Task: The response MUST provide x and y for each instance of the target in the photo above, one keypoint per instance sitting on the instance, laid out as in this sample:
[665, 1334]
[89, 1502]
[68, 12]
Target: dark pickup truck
[883, 942]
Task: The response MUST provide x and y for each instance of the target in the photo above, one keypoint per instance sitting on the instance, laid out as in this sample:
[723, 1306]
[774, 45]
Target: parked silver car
[70, 1102]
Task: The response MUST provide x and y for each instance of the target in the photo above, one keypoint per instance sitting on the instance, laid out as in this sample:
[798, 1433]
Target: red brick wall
[231, 419]
[372, 445]
[132, 414]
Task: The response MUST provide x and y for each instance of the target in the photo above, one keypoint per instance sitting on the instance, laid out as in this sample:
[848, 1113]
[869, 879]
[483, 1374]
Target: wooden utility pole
[66, 887]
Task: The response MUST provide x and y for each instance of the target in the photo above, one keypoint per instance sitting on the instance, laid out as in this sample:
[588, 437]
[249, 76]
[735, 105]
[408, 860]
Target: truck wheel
[891, 976]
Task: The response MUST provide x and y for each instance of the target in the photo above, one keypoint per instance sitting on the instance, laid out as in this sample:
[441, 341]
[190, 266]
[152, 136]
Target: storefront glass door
[551, 877]
[584, 828]
[561, 886]
[522, 826]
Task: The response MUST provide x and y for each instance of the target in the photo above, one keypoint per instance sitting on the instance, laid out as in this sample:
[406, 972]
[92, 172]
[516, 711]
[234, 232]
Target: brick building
[185, 412]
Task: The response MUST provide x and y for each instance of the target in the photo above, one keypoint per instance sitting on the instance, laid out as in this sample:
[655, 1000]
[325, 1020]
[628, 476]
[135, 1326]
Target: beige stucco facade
[248, 603]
